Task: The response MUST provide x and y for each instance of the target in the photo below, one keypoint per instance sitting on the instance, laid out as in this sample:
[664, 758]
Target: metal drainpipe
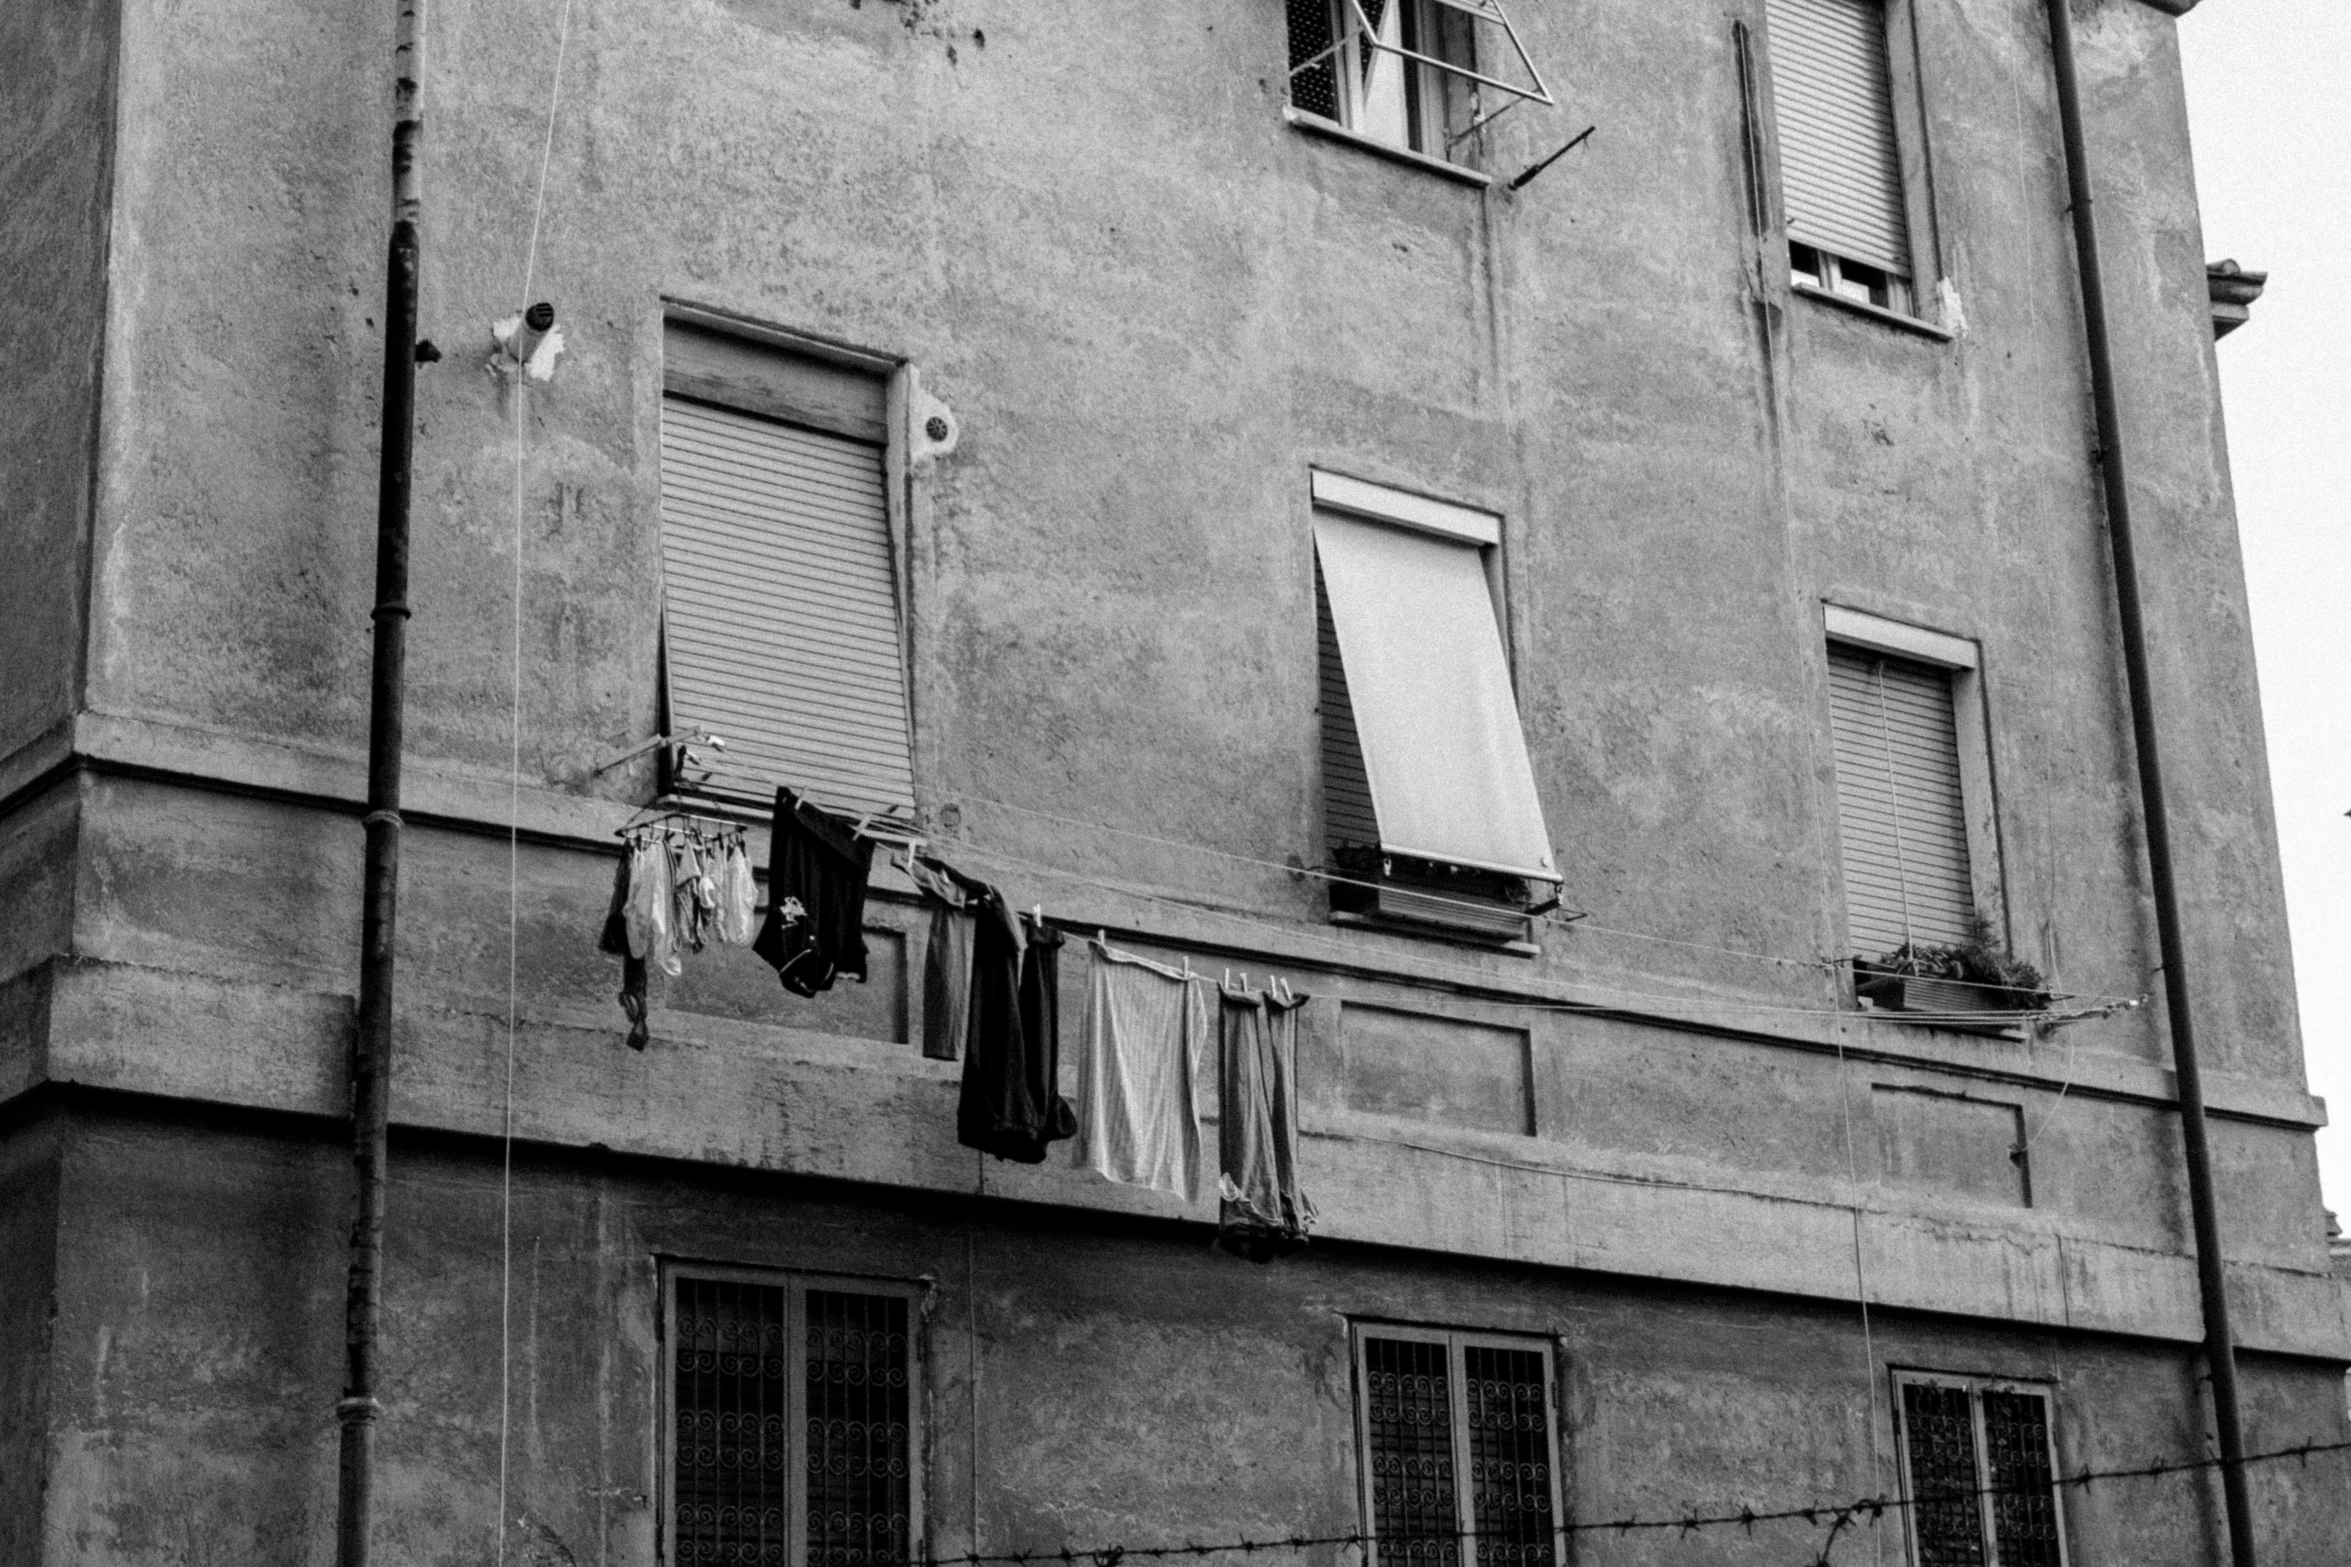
[2219, 1345]
[371, 1051]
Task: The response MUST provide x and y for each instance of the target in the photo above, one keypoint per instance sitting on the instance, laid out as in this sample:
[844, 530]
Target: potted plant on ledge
[1976, 975]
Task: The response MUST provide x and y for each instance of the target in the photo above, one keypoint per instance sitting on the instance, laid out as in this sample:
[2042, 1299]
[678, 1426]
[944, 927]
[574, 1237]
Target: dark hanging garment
[1264, 1214]
[946, 964]
[816, 873]
[615, 940]
[1011, 1104]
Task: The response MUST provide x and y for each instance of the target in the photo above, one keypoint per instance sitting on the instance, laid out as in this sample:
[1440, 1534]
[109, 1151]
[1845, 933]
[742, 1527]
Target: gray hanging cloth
[1264, 1214]
[946, 965]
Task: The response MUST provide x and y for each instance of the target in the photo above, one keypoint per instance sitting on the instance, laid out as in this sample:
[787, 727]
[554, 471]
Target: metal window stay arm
[1483, 12]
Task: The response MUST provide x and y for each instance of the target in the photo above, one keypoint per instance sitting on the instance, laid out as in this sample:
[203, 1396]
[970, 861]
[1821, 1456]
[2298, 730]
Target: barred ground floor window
[1457, 1446]
[790, 1405]
[1979, 1465]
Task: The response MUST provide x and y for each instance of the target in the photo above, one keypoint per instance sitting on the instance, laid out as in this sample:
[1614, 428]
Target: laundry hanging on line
[1010, 1104]
[681, 885]
[1138, 1101]
[817, 867]
[946, 965]
[1264, 1213]
[992, 997]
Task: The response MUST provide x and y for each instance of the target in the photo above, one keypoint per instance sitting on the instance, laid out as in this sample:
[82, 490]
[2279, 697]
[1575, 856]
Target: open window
[1430, 811]
[780, 590]
[1979, 1465]
[1420, 75]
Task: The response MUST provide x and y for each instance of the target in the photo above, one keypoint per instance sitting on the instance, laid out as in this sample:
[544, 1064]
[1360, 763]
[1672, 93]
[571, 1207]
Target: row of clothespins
[1275, 985]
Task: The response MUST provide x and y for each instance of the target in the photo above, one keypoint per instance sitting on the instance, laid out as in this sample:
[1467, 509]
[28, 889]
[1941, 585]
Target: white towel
[1138, 1069]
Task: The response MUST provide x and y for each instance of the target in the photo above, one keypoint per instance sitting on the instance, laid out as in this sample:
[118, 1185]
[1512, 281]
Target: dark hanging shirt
[816, 873]
[1011, 1105]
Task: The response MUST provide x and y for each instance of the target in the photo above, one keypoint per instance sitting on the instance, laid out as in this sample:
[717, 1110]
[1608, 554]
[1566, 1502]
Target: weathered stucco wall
[57, 117]
[1102, 1380]
[1152, 305]
[29, 1248]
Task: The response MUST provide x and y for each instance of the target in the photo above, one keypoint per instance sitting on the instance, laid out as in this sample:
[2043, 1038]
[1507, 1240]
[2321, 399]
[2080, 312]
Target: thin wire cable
[1579, 922]
[1693, 1008]
[1869, 1353]
[1833, 1516]
[514, 816]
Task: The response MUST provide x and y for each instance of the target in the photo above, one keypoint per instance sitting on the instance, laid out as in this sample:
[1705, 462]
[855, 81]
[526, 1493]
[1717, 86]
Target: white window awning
[1430, 687]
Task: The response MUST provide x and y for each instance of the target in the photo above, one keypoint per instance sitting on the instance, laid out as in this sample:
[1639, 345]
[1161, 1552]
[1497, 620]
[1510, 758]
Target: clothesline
[1437, 968]
[1578, 920]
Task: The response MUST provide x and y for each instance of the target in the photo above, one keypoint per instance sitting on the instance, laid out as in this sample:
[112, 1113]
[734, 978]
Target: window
[1840, 164]
[1428, 793]
[780, 626]
[1921, 856]
[1456, 1448]
[790, 1404]
[1407, 73]
[1979, 1468]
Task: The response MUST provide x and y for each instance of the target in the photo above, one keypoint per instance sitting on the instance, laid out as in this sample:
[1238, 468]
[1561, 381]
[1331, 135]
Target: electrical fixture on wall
[528, 344]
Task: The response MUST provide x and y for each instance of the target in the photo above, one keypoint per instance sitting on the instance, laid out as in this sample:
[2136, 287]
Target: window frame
[1961, 660]
[1920, 300]
[1362, 1330]
[1409, 902]
[770, 397]
[1975, 1386]
[1438, 49]
[796, 1283]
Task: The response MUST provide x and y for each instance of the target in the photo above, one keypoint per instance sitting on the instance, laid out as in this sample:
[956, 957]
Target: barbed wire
[1837, 1517]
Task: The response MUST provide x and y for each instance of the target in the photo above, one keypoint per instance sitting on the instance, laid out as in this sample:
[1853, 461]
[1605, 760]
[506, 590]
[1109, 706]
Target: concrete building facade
[1123, 300]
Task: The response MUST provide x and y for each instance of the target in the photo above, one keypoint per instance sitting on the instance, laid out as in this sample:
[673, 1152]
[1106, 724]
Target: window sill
[1421, 932]
[1862, 307]
[1316, 125]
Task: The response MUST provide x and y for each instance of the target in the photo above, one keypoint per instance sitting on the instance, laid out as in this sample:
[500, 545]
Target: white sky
[2269, 105]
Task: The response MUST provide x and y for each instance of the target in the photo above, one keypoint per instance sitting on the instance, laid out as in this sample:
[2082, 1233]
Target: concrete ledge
[440, 796]
[756, 1096]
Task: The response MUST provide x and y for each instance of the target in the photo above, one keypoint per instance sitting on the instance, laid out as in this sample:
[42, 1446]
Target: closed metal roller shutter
[1840, 172]
[782, 606]
[1347, 816]
[1898, 802]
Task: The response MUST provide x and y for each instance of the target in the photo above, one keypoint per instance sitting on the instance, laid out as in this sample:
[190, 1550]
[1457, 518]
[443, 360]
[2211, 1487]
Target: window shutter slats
[1901, 818]
[1347, 815]
[781, 607]
[1839, 167]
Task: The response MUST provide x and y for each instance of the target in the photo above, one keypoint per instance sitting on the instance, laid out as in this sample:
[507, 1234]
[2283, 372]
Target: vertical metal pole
[371, 1053]
[2219, 1345]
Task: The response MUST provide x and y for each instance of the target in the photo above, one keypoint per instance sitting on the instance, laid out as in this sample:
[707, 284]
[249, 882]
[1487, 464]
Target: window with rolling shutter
[1978, 1470]
[1901, 813]
[1457, 1448]
[1429, 803]
[1840, 157]
[780, 586]
[791, 1407]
